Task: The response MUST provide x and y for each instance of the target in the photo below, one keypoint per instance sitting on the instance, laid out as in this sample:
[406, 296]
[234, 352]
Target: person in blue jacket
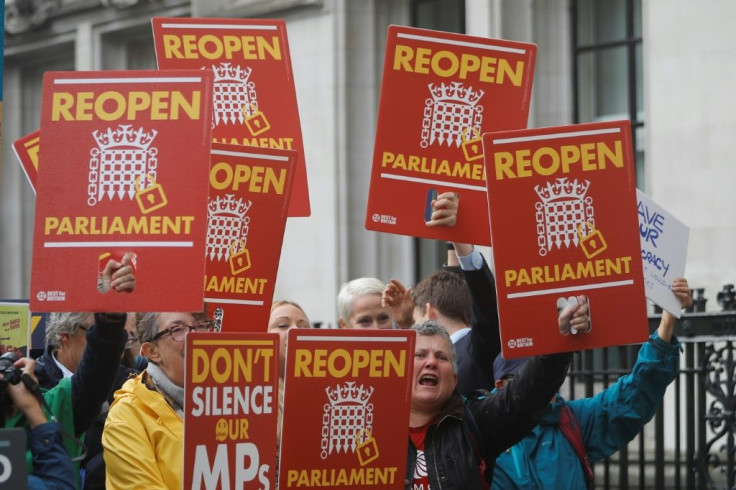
[607, 421]
[52, 465]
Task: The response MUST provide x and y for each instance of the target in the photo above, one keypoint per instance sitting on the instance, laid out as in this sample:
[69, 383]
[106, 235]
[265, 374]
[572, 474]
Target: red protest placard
[26, 150]
[231, 410]
[564, 223]
[249, 192]
[346, 409]
[126, 159]
[440, 92]
[254, 99]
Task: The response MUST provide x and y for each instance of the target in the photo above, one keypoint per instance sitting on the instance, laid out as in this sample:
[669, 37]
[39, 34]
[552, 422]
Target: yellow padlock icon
[472, 148]
[593, 243]
[368, 449]
[256, 122]
[239, 261]
[150, 198]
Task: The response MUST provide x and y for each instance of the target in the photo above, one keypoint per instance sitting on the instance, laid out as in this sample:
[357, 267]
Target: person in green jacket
[607, 421]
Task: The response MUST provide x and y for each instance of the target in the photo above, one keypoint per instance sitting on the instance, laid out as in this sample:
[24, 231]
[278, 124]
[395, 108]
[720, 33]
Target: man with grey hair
[359, 305]
[469, 433]
[66, 338]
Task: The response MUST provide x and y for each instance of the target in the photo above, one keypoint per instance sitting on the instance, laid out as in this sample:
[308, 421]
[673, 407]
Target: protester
[52, 466]
[93, 466]
[285, 315]
[454, 441]
[76, 401]
[132, 357]
[359, 302]
[359, 305]
[143, 436]
[66, 340]
[67, 336]
[465, 305]
[600, 426]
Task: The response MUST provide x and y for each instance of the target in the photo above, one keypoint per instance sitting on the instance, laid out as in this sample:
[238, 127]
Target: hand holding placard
[119, 276]
[681, 290]
[575, 316]
[444, 210]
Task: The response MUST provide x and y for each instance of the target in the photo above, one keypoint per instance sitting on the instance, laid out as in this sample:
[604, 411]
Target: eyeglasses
[132, 339]
[179, 330]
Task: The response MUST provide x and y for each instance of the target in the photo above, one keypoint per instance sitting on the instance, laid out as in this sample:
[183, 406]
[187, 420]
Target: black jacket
[96, 373]
[451, 452]
[476, 351]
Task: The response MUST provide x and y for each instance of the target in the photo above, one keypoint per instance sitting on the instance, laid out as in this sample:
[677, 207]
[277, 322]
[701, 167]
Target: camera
[11, 374]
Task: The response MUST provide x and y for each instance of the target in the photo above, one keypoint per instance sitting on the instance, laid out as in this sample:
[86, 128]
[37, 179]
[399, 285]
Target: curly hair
[431, 328]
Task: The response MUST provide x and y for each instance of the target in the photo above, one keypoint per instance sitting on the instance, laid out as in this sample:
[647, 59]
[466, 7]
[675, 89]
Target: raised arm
[613, 417]
[95, 375]
[484, 318]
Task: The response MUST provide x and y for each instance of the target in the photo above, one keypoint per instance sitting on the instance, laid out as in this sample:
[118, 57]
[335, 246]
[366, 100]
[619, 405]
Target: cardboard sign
[346, 409]
[26, 150]
[440, 92]
[563, 220]
[254, 100]
[15, 333]
[37, 325]
[126, 160]
[230, 410]
[249, 191]
[663, 251]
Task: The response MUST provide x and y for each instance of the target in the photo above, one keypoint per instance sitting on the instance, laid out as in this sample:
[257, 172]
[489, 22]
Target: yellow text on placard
[255, 178]
[160, 105]
[339, 363]
[549, 160]
[446, 64]
[211, 47]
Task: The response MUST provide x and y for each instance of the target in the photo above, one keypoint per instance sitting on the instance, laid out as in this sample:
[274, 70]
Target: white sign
[663, 251]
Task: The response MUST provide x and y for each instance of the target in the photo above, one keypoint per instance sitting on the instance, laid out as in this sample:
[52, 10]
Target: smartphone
[431, 196]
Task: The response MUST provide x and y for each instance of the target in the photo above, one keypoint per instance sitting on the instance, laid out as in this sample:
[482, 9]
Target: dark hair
[447, 292]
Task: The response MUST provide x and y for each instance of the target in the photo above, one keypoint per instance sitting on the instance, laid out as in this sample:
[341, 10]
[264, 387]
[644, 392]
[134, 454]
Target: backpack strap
[571, 429]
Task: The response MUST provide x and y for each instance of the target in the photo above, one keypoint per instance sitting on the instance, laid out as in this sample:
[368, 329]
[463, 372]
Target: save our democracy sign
[231, 410]
[125, 165]
[249, 196]
[254, 99]
[663, 251]
[440, 91]
[564, 223]
[346, 409]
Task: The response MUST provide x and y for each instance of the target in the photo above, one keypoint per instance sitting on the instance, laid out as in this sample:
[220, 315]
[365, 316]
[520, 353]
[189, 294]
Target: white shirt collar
[459, 334]
[64, 371]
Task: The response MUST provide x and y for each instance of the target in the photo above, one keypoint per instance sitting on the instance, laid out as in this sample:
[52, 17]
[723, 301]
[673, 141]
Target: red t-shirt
[417, 435]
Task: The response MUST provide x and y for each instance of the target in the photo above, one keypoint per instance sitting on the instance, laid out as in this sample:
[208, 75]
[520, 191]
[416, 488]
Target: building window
[449, 16]
[607, 64]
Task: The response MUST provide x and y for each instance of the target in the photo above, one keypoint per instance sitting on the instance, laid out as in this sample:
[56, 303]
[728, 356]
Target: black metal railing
[691, 441]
